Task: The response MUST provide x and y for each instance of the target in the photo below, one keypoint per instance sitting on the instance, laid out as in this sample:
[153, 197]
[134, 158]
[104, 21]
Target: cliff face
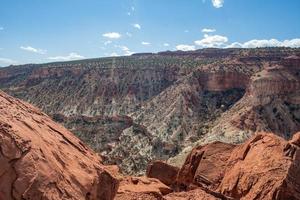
[40, 159]
[271, 103]
[156, 106]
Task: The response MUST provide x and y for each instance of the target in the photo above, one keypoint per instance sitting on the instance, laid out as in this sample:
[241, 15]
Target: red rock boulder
[167, 174]
[265, 167]
[205, 165]
[141, 188]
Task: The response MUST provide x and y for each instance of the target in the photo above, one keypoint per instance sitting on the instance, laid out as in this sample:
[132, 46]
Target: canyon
[159, 106]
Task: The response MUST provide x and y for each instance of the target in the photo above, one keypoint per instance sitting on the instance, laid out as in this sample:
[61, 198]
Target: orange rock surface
[138, 187]
[264, 167]
[162, 171]
[40, 159]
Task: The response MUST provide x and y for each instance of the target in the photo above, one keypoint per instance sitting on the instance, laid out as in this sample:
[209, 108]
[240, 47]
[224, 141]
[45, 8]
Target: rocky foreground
[39, 159]
[145, 107]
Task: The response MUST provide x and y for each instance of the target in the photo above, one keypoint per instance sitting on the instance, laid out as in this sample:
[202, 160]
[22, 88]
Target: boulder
[205, 165]
[265, 167]
[162, 171]
[142, 188]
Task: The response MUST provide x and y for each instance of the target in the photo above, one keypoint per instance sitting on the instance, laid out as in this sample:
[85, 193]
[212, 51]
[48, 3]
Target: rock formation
[39, 159]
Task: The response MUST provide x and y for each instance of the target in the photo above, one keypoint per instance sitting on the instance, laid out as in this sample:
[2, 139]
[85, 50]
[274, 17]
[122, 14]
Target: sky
[38, 31]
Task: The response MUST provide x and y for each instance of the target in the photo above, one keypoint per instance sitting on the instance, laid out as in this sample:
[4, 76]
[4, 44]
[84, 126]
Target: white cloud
[107, 42]
[112, 35]
[7, 61]
[114, 54]
[128, 13]
[217, 3]
[166, 44]
[210, 41]
[1, 28]
[293, 43]
[128, 34]
[34, 50]
[184, 47]
[234, 45]
[186, 31]
[132, 8]
[208, 30]
[137, 26]
[71, 56]
[125, 49]
[146, 43]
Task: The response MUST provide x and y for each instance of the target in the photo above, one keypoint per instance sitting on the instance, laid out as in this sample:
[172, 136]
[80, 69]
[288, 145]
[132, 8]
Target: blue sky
[35, 31]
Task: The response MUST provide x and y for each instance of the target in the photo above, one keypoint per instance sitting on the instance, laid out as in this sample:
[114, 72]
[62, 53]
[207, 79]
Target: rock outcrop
[264, 167]
[39, 159]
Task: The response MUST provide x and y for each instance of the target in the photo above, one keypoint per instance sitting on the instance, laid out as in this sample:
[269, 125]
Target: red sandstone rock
[265, 167]
[137, 187]
[196, 194]
[40, 159]
[165, 173]
[205, 165]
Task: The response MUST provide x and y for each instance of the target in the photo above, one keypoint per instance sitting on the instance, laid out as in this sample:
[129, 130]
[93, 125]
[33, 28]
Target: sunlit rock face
[40, 159]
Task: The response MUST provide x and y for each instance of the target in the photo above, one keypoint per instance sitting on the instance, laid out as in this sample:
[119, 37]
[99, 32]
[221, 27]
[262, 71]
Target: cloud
[166, 44]
[293, 43]
[137, 26]
[112, 35]
[114, 54]
[8, 61]
[208, 30]
[186, 31]
[184, 47]
[125, 49]
[234, 45]
[146, 43]
[217, 3]
[1, 28]
[34, 50]
[107, 42]
[71, 56]
[210, 41]
[128, 34]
